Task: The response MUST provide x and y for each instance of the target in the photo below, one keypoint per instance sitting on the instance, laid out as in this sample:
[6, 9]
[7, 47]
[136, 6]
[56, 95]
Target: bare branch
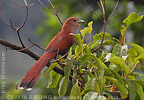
[59, 58]
[56, 13]
[105, 22]
[28, 52]
[26, 17]
[92, 10]
[46, 7]
[36, 44]
[22, 5]
[113, 10]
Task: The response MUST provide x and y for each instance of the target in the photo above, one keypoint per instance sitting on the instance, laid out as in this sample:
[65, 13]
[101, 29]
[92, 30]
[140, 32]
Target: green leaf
[75, 92]
[120, 62]
[86, 30]
[140, 75]
[91, 96]
[63, 86]
[117, 76]
[78, 50]
[94, 44]
[67, 68]
[132, 18]
[96, 37]
[131, 88]
[54, 79]
[51, 67]
[123, 90]
[90, 74]
[85, 59]
[92, 85]
[78, 39]
[141, 56]
[108, 95]
[107, 35]
[98, 64]
[117, 50]
[139, 90]
[139, 50]
[87, 50]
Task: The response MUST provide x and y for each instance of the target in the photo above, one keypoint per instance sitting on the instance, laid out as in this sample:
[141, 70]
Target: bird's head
[71, 24]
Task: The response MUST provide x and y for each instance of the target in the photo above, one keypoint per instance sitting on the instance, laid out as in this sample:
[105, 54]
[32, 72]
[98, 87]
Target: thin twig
[56, 13]
[22, 5]
[105, 22]
[46, 7]
[92, 10]
[26, 17]
[24, 48]
[36, 44]
[81, 85]
[113, 10]
[54, 8]
[17, 29]
[59, 58]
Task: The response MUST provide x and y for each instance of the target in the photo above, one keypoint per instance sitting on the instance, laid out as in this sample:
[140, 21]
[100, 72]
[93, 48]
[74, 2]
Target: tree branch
[54, 8]
[28, 52]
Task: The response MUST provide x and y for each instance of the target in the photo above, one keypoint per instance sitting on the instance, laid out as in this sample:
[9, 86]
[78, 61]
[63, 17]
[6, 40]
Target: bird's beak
[81, 21]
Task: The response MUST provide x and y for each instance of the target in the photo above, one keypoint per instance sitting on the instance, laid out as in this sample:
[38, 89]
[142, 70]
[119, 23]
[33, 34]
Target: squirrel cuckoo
[60, 44]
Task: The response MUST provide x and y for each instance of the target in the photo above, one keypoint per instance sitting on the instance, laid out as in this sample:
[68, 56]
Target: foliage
[95, 78]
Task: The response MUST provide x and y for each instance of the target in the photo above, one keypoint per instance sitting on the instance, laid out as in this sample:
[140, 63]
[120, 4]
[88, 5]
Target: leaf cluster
[96, 75]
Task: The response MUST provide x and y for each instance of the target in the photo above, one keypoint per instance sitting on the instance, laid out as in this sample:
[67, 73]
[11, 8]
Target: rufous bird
[60, 44]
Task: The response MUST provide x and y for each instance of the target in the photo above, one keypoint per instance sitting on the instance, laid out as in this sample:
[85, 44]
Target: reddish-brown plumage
[59, 44]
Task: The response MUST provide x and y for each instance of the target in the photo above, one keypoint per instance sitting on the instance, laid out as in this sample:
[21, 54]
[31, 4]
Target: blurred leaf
[96, 37]
[107, 35]
[138, 49]
[91, 96]
[117, 50]
[78, 39]
[131, 88]
[95, 44]
[124, 50]
[87, 50]
[54, 79]
[141, 56]
[120, 62]
[132, 18]
[75, 92]
[67, 68]
[51, 67]
[129, 60]
[63, 86]
[139, 90]
[92, 85]
[108, 95]
[123, 90]
[85, 58]
[118, 77]
[140, 75]
[132, 52]
[98, 64]
[86, 30]
[78, 50]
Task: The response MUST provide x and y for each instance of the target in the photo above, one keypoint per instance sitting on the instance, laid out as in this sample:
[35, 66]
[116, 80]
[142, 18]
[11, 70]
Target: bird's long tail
[34, 73]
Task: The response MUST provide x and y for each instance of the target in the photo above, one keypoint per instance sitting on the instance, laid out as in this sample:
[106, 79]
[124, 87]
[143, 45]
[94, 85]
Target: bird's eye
[75, 20]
